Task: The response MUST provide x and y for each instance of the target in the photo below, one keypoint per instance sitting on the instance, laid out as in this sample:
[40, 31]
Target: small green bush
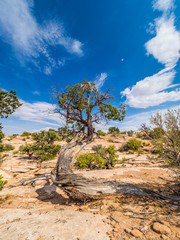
[130, 133]
[101, 133]
[139, 135]
[156, 133]
[113, 130]
[97, 147]
[103, 157]
[110, 140]
[2, 182]
[134, 144]
[25, 134]
[6, 147]
[123, 160]
[13, 136]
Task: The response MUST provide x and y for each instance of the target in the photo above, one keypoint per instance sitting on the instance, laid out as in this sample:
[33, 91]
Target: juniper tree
[85, 105]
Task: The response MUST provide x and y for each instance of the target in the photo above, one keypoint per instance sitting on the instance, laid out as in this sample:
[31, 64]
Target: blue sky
[132, 47]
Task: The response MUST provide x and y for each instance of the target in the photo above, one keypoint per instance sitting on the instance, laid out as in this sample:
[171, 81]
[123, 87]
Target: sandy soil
[40, 210]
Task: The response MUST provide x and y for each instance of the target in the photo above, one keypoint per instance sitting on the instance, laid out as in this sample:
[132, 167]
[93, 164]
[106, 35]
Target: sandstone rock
[161, 228]
[136, 233]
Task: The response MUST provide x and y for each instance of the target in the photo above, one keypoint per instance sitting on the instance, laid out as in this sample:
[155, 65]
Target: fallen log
[85, 189]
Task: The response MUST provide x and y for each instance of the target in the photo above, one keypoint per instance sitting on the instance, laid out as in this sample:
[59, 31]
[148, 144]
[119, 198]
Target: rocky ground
[32, 208]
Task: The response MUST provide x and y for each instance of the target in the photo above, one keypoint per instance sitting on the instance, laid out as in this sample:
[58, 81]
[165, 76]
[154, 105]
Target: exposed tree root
[84, 189]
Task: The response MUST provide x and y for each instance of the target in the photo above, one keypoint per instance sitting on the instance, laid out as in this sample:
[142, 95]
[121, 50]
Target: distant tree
[85, 105]
[43, 147]
[167, 137]
[8, 103]
[113, 130]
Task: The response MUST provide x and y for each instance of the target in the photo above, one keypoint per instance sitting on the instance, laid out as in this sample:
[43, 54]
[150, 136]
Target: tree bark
[85, 189]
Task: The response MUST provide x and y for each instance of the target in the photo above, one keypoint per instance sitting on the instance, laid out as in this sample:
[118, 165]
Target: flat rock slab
[57, 224]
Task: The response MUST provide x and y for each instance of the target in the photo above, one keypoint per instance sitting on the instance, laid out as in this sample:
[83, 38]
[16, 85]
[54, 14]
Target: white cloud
[100, 80]
[165, 47]
[151, 90]
[29, 39]
[37, 93]
[41, 112]
[163, 5]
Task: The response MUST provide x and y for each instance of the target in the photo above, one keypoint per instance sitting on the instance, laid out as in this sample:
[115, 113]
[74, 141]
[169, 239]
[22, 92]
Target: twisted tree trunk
[84, 189]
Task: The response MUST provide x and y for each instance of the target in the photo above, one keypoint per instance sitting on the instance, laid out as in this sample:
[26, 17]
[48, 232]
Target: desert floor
[41, 211]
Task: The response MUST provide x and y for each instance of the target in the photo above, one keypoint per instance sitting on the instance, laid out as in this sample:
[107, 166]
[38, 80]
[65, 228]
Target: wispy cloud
[31, 40]
[100, 80]
[165, 47]
[40, 112]
[37, 93]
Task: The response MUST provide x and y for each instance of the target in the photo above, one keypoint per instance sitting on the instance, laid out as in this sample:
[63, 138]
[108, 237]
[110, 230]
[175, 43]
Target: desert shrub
[123, 160]
[156, 133]
[103, 157]
[113, 130]
[2, 182]
[45, 136]
[130, 133]
[140, 152]
[15, 152]
[6, 147]
[124, 132]
[139, 135]
[111, 156]
[123, 148]
[49, 152]
[101, 133]
[69, 139]
[43, 146]
[25, 134]
[110, 140]
[29, 149]
[97, 147]
[13, 136]
[133, 144]
[167, 142]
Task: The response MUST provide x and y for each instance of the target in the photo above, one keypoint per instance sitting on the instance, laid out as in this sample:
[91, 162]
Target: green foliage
[83, 104]
[110, 140]
[29, 149]
[2, 182]
[130, 133]
[140, 152]
[97, 147]
[1, 133]
[112, 130]
[101, 133]
[45, 136]
[167, 135]
[48, 152]
[8, 103]
[6, 147]
[13, 136]
[25, 134]
[139, 135]
[90, 160]
[43, 147]
[133, 144]
[103, 157]
[156, 133]
[123, 160]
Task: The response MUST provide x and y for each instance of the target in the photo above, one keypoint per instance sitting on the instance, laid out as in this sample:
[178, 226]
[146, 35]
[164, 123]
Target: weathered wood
[82, 188]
